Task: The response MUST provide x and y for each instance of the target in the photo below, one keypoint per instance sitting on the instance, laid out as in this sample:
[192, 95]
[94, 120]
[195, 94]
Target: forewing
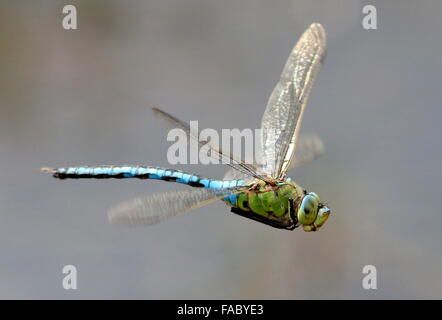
[283, 115]
[155, 208]
[216, 152]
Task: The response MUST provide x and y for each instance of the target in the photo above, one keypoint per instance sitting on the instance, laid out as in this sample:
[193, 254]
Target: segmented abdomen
[144, 172]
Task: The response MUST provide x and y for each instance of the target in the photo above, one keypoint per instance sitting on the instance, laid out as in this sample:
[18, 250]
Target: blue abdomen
[144, 172]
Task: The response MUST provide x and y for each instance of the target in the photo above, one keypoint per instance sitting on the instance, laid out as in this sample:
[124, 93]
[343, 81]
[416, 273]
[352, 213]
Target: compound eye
[308, 210]
[315, 195]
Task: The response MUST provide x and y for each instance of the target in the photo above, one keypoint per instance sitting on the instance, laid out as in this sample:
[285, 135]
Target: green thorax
[272, 204]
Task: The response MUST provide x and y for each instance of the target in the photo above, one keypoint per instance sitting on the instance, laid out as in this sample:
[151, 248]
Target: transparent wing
[308, 148]
[282, 118]
[233, 174]
[155, 208]
[216, 152]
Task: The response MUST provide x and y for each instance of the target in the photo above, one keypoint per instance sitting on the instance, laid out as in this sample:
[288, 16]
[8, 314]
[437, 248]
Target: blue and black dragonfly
[260, 192]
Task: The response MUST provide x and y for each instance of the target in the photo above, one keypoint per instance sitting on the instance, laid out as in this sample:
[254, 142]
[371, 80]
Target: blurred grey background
[83, 97]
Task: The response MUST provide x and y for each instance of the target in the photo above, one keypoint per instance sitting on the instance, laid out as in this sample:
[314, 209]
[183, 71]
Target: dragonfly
[261, 192]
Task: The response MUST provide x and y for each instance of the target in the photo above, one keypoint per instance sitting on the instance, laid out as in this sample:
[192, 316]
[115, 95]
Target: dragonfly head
[312, 214]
